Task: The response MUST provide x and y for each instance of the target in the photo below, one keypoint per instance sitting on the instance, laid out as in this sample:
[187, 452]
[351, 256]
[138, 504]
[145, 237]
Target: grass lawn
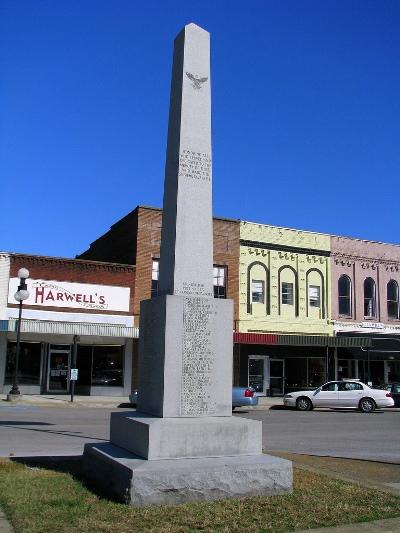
[41, 500]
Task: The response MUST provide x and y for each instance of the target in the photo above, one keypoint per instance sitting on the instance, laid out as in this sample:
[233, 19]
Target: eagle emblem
[196, 82]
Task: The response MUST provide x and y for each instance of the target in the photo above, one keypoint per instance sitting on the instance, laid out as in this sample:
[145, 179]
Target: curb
[387, 525]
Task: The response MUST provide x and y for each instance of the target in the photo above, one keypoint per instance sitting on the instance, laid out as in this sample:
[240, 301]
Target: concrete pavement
[390, 525]
[5, 526]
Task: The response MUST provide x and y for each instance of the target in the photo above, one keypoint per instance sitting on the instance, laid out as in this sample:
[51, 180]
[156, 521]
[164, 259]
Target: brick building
[74, 307]
[135, 240]
[365, 302]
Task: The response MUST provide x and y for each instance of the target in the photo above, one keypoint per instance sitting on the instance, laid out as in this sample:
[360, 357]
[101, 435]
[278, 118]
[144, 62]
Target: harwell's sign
[46, 293]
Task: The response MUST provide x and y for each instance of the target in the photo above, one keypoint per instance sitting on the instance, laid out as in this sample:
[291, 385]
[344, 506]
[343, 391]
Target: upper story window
[369, 298]
[154, 277]
[219, 281]
[257, 291]
[344, 295]
[287, 293]
[393, 299]
[314, 296]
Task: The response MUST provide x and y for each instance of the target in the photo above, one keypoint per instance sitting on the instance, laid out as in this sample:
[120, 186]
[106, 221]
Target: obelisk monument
[183, 444]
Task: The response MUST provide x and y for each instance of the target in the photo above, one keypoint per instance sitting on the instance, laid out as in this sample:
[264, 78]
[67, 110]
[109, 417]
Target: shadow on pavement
[75, 434]
[19, 423]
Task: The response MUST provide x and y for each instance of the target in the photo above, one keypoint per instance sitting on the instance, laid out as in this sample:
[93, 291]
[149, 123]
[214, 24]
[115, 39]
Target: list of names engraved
[197, 357]
[191, 288]
[195, 165]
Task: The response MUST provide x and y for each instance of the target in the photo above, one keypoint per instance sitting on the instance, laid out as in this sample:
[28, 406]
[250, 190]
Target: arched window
[288, 289]
[369, 298]
[344, 295]
[258, 289]
[315, 292]
[393, 299]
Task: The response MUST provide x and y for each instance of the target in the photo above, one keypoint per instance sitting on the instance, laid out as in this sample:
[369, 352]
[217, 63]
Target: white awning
[71, 328]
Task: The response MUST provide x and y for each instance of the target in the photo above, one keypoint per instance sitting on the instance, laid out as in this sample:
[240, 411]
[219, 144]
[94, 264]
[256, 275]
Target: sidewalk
[5, 526]
[64, 400]
[389, 525]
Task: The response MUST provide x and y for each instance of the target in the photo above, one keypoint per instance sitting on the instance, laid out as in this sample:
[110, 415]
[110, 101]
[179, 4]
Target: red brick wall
[75, 271]
[226, 253]
[136, 240]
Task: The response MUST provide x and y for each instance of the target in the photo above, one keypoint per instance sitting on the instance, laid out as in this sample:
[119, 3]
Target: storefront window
[107, 366]
[28, 363]
[316, 371]
[304, 373]
[296, 373]
[344, 369]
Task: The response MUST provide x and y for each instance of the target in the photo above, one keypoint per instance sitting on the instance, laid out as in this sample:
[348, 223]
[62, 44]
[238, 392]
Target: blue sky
[306, 114]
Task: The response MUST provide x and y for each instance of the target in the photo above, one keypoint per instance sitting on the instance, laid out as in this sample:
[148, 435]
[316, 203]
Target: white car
[349, 393]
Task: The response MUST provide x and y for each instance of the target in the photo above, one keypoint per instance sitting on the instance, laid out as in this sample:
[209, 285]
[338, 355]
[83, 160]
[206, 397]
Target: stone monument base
[156, 438]
[139, 482]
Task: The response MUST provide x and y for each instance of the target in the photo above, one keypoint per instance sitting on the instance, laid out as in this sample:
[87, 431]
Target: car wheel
[304, 404]
[366, 405]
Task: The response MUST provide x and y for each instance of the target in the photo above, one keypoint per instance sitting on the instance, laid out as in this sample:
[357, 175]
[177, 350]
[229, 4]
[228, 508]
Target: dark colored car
[394, 388]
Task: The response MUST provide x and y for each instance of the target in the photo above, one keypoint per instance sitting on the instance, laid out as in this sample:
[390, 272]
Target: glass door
[277, 377]
[58, 370]
[258, 376]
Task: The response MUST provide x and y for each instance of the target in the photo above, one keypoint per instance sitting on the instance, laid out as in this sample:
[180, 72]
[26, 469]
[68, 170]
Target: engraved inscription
[195, 165]
[197, 358]
[193, 289]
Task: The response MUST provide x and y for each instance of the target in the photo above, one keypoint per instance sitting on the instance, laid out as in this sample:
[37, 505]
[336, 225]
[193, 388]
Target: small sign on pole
[74, 374]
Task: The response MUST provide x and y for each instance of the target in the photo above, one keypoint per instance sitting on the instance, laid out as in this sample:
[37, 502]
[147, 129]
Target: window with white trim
[219, 281]
[287, 293]
[154, 277]
[257, 291]
[314, 296]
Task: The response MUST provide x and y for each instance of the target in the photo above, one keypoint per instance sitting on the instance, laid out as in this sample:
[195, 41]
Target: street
[335, 433]
[27, 430]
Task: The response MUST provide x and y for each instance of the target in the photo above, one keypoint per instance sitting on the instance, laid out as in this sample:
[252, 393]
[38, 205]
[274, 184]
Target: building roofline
[286, 228]
[160, 209]
[360, 239]
[71, 260]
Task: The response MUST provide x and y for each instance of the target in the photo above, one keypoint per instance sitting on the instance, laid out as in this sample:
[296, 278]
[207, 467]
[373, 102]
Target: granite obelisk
[183, 444]
[194, 354]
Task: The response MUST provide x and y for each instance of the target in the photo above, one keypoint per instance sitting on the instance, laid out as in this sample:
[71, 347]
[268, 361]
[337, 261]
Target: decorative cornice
[284, 248]
[345, 258]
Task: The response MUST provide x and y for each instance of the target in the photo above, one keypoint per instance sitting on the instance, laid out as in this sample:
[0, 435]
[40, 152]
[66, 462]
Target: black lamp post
[21, 295]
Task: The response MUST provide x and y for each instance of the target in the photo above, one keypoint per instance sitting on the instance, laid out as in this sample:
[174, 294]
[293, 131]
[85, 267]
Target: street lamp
[21, 295]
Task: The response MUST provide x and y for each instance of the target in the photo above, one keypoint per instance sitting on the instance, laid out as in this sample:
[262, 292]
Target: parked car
[243, 397]
[394, 389]
[349, 393]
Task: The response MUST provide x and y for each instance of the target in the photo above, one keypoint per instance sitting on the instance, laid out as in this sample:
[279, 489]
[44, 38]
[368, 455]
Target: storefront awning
[300, 340]
[70, 328]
